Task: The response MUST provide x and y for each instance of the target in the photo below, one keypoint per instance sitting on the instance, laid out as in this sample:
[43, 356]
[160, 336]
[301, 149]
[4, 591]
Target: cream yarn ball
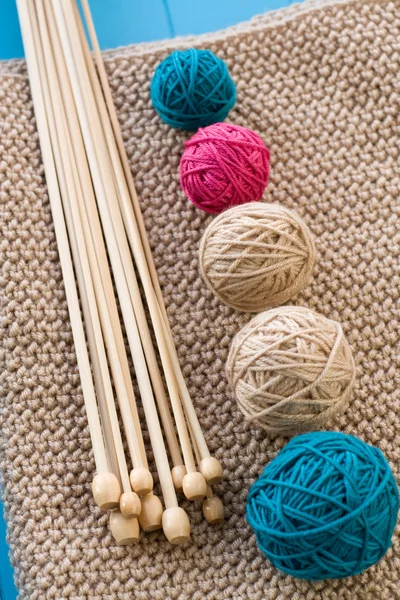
[256, 256]
[291, 370]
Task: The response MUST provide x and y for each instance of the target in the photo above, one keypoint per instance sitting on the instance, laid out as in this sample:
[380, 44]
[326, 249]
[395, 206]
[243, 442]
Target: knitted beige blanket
[320, 82]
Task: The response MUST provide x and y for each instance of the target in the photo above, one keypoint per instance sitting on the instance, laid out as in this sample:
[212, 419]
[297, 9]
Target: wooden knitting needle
[213, 509]
[193, 483]
[125, 531]
[175, 522]
[134, 224]
[179, 470]
[151, 514]
[140, 477]
[58, 131]
[106, 488]
[66, 170]
[100, 389]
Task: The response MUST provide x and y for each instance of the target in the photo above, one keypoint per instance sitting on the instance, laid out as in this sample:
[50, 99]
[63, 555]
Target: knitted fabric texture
[291, 370]
[192, 88]
[325, 507]
[224, 165]
[319, 82]
[257, 256]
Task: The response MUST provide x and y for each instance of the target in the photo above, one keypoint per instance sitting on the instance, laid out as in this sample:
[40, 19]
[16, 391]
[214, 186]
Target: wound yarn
[192, 88]
[224, 165]
[325, 507]
[257, 256]
[291, 370]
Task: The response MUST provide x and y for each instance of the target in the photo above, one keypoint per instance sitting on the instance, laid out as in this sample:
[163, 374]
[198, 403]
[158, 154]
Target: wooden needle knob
[106, 491]
[141, 481]
[130, 505]
[150, 518]
[178, 473]
[211, 468]
[194, 486]
[213, 510]
[176, 525]
[124, 531]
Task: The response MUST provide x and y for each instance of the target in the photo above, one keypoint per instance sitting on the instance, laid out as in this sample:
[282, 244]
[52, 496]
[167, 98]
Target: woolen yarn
[291, 370]
[325, 507]
[257, 256]
[192, 88]
[224, 165]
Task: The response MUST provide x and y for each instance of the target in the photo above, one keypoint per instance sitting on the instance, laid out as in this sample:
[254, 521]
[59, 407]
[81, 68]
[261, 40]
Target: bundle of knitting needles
[102, 244]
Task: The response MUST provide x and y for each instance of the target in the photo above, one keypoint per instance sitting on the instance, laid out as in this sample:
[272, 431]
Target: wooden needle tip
[194, 486]
[211, 468]
[141, 481]
[213, 510]
[124, 531]
[150, 518]
[106, 491]
[176, 525]
[130, 505]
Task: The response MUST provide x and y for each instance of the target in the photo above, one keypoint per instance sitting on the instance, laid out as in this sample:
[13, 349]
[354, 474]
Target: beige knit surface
[321, 85]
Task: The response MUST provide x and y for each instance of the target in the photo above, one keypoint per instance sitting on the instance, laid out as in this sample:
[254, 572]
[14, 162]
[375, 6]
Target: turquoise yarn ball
[325, 507]
[191, 89]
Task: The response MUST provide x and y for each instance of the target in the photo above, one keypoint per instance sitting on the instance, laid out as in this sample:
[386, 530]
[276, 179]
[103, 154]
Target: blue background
[121, 22]
[118, 23]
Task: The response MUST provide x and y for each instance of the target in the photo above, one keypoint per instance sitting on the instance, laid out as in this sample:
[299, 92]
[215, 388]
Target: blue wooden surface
[118, 23]
[121, 22]
[7, 587]
[199, 16]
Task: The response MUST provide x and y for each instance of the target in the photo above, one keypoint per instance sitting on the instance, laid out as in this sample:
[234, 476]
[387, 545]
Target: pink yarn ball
[224, 165]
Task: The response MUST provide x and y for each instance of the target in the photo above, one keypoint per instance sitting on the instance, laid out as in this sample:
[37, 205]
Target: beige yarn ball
[256, 256]
[291, 370]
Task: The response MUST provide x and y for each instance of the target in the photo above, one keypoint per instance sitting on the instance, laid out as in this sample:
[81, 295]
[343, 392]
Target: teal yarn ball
[191, 89]
[325, 507]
